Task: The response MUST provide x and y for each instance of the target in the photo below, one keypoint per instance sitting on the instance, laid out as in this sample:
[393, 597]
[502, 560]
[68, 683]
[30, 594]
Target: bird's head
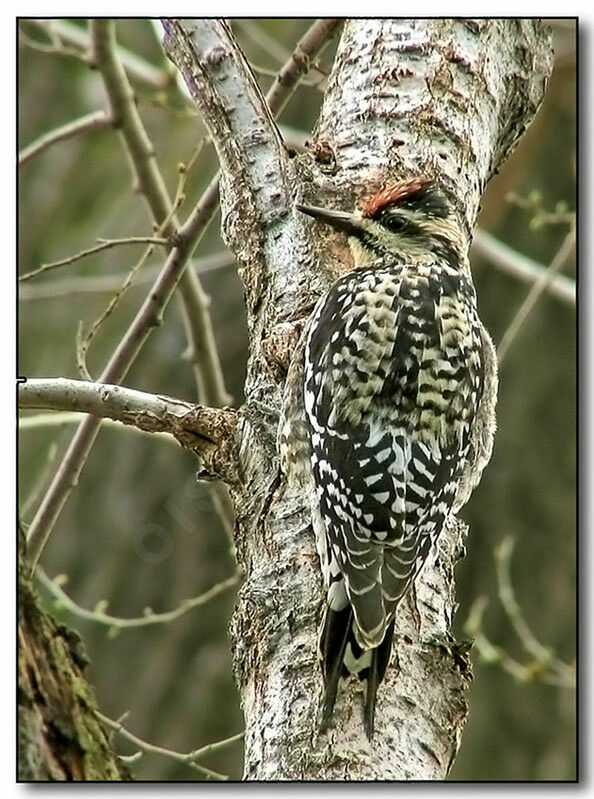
[410, 219]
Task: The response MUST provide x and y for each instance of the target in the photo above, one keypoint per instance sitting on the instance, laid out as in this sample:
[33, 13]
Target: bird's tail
[341, 655]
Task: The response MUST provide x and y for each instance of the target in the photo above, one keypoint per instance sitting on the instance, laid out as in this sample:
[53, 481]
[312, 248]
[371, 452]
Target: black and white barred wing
[380, 514]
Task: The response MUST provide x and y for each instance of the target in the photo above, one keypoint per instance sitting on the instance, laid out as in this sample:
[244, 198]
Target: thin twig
[35, 492]
[55, 48]
[152, 187]
[146, 319]
[217, 745]
[188, 759]
[489, 653]
[98, 615]
[106, 284]
[544, 667]
[518, 265]
[535, 293]
[96, 120]
[503, 555]
[104, 244]
[138, 68]
[81, 359]
[83, 343]
[540, 215]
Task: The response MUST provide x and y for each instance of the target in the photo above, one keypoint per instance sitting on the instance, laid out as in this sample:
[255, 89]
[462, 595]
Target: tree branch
[543, 666]
[207, 431]
[102, 245]
[299, 62]
[96, 120]
[146, 319]
[123, 109]
[148, 316]
[258, 177]
[537, 290]
[236, 115]
[98, 616]
[137, 67]
[518, 265]
[99, 284]
[188, 759]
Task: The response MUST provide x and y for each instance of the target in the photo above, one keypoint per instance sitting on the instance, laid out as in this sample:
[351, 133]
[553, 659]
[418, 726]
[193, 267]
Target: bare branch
[539, 215]
[188, 759]
[518, 265]
[56, 46]
[149, 618]
[152, 187]
[202, 213]
[138, 68]
[83, 343]
[104, 244]
[544, 666]
[507, 597]
[146, 319]
[489, 653]
[535, 293]
[96, 120]
[126, 119]
[98, 284]
[194, 426]
[313, 41]
[39, 484]
[249, 147]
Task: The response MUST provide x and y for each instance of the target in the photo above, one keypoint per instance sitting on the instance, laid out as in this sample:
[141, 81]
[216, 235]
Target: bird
[388, 416]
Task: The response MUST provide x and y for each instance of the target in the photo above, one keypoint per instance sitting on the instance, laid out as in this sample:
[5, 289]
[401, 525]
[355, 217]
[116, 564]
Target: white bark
[439, 97]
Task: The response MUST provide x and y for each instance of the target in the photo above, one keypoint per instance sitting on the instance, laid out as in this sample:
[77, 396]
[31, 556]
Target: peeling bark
[446, 98]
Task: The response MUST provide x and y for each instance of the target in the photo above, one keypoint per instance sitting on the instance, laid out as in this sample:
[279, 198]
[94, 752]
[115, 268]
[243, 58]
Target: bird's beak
[347, 223]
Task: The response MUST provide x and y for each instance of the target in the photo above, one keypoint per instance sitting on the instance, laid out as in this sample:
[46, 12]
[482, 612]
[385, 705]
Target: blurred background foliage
[140, 532]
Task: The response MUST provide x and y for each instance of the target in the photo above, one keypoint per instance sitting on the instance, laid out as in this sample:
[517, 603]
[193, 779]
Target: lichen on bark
[59, 735]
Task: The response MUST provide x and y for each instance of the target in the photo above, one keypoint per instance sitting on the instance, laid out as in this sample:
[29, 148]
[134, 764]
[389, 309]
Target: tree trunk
[445, 98]
[59, 735]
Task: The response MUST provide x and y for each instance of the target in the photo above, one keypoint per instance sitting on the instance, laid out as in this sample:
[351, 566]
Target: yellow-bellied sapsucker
[389, 412]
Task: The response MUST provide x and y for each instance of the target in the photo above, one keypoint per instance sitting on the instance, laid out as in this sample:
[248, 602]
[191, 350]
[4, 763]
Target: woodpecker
[388, 415]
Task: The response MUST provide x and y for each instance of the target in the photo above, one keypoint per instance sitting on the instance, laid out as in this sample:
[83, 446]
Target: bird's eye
[395, 223]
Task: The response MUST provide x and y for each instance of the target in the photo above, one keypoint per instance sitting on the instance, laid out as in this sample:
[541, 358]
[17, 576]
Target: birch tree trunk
[445, 98]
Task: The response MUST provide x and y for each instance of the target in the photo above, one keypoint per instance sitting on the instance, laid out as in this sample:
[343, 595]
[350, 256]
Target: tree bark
[59, 735]
[444, 98]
